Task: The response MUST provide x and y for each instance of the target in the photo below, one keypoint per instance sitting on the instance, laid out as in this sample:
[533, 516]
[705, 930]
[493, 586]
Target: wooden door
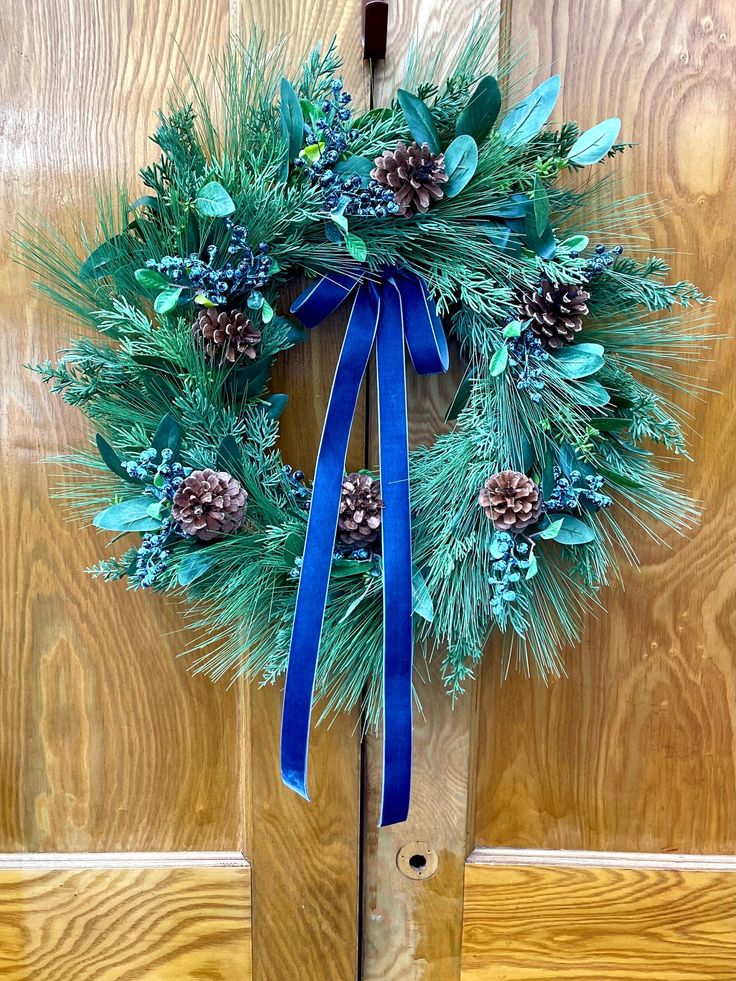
[587, 829]
[144, 829]
[580, 831]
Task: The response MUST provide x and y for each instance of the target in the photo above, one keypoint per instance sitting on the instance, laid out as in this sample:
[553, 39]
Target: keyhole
[418, 862]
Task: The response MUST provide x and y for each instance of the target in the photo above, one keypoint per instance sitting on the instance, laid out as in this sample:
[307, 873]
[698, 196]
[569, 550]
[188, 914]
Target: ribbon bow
[395, 309]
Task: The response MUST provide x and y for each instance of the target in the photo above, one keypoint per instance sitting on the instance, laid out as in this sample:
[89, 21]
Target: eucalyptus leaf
[515, 206]
[499, 361]
[147, 201]
[481, 112]
[421, 598]
[525, 120]
[533, 567]
[576, 243]
[419, 120]
[213, 201]
[293, 548]
[609, 424]
[354, 165]
[291, 124]
[128, 516]
[512, 329]
[347, 568]
[544, 245]
[195, 564]
[619, 479]
[498, 234]
[592, 145]
[574, 532]
[580, 360]
[590, 393]
[461, 162]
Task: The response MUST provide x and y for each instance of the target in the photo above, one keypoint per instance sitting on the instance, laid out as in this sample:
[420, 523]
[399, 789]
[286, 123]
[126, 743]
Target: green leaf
[266, 312]
[127, 516]
[341, 222]
[580, 360]
[345, 568]
[552, 530]
[498, 234]
[213, 201]
[515, 206]
[229, 455]
[293, 548]
[167, 299]
[576, 243]
[541, 205]
[419, 120]
[513, 329]
[461, 162]
[147, 201]
[525, 120]
[167, 436]
[609, 424]
[202, 301]
[461, 396]
[356, 247]
[620, 479]
[592, 145]
[499, 361]
[101, 260]
[590, 393]
[421, 598]
[533, 567]
[544, 245]
[481, 112]
[292, 119]
[275, 405]
[354, 165]
[296, 334]
[150, 279]
[574, 532]
[112, 460]
[195, 564]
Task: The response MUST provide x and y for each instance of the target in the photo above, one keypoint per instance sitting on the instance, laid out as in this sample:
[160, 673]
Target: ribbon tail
[320, 541]
[398, 638]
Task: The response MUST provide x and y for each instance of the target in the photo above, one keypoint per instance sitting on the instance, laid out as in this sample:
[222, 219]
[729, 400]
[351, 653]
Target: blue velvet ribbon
[391, 310]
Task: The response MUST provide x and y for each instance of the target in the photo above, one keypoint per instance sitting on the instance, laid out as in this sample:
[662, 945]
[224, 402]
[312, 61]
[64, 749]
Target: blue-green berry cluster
[526, 354]
[572, 490]
[152, 556]
[163, 478]
[510, 563]
[223, 283]
[602, 259]
[297, 487]
[332, 135]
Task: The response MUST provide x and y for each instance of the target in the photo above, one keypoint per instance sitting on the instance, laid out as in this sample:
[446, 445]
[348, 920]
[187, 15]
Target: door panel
[108, 744]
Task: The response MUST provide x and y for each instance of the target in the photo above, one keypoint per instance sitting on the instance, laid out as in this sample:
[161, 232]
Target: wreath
[443, 211]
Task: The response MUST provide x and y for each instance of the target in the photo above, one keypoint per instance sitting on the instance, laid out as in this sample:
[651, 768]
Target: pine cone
[556, 312]
[226, 335]
[360, 510]
[209, 504]
[414, 174]
[511, 500]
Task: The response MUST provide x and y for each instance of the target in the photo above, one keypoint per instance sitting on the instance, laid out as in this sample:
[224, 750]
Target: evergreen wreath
[574, 347]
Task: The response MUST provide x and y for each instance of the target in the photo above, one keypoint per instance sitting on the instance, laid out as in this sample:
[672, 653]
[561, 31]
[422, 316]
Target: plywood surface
[78, 922]
[578, 922]
[636, 749]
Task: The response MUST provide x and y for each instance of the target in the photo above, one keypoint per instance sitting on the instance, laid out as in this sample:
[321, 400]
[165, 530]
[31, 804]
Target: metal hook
[375, 28]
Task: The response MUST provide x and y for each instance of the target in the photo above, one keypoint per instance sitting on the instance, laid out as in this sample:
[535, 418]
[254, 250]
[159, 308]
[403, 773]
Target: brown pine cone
[209, 504]
[360, 510]
[511, 500]
[556, 312]
[226, 335]
[414, 174]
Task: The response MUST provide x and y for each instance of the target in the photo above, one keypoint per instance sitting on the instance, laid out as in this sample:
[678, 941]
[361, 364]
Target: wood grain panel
[306, 856]
[106, 741]
[412, 928]
[84, 918]
[577, 921]
[636, 749]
